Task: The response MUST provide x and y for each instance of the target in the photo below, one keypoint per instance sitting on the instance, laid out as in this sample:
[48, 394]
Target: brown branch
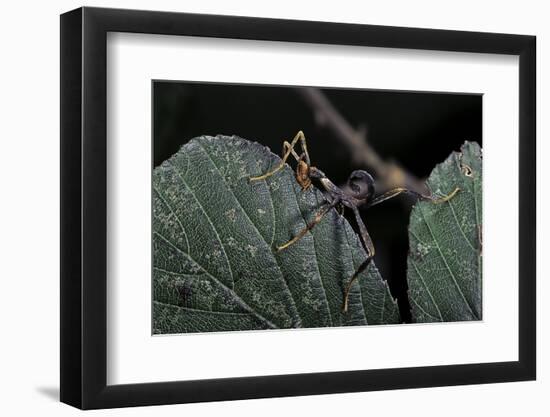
[326, 115]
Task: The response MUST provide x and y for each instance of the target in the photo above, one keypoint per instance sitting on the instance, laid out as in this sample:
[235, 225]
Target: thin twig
[326, 115]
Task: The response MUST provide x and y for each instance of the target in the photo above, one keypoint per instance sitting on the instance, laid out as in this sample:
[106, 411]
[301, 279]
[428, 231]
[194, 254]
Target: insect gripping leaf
[214, 233]
[445, 257]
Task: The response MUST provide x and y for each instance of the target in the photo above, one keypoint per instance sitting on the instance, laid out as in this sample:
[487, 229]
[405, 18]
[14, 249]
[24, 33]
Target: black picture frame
[84, 209]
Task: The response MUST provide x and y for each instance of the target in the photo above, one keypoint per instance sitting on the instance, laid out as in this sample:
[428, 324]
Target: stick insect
[361, 194]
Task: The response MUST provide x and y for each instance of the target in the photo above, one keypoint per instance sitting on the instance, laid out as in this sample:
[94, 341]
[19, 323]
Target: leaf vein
[293, 305]
[316, 260]
[424, 311]
[446, 264]
[460, 227]
[195, 310]
[428, 291]
[358, 284]
[174, 214]
[209, 221]
[239, 300]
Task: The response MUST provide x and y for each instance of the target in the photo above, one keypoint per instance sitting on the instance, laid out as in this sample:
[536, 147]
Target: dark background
[418, 130]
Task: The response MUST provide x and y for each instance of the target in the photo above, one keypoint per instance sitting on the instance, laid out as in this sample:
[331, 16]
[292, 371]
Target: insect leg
[287, 147]
[369, 249]
[316, 220]
[303, 142]
[400, 190]
[304, 156]
[289, 151]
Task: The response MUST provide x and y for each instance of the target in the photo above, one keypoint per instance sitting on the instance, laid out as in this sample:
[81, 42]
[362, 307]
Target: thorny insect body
[361, 194]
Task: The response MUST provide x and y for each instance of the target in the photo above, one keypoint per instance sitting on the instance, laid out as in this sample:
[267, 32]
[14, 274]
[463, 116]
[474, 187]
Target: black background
[418, 130]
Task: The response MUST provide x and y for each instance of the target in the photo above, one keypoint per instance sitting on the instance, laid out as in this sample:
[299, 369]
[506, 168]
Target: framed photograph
[257, 208]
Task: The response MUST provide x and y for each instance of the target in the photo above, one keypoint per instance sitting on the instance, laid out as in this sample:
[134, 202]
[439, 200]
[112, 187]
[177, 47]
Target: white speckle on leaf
[274, 185]
[251, 250]
[231, 214]
[194, 268]
[422, 249]
[256, 297]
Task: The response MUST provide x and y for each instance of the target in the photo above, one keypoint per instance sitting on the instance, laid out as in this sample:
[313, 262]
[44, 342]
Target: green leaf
[214, 233]
[445, 257]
